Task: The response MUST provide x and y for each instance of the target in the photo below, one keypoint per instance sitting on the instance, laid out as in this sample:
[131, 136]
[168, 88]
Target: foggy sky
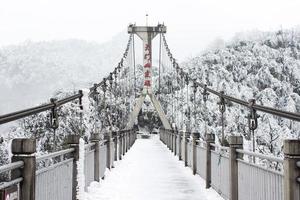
[192, 24]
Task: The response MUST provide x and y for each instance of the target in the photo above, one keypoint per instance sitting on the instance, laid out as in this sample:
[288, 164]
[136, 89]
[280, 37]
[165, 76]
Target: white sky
[192, 24]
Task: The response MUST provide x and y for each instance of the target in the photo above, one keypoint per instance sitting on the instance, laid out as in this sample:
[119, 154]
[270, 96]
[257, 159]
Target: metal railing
[54, 175]
[38, 109]
[58, 168]
[231, 172]
[9, 168]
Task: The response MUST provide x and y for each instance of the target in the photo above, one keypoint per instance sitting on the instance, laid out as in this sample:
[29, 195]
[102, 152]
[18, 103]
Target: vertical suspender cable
[159, 61]
[134, 73]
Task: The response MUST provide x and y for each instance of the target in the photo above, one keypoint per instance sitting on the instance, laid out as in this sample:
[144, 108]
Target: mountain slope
[32, 72]
[265, 67]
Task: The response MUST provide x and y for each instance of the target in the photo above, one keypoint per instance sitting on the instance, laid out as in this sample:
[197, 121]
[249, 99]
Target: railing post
[186, 142]
[24, 150]
[127, 140]
[124, 142]
[108, 153]
[168, 139]
[179, 143]
[164, 136]
[73, 142]
[116, 145]
[210, 138]
[291, 169]
[120, 144]
[131, 138]
[175, 141]
[196, 137]
[235, 142]
[95, 138]
[172, 140]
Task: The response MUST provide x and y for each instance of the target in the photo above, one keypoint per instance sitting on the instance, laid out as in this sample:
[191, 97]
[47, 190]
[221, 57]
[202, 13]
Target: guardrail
[231, 172]
[38, 109]
[54, 175]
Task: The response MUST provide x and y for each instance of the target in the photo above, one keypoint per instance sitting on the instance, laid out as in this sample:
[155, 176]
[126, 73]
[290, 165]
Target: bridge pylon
[146, 34]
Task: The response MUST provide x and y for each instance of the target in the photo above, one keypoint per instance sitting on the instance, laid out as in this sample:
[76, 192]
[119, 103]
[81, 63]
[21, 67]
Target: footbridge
[98, 152]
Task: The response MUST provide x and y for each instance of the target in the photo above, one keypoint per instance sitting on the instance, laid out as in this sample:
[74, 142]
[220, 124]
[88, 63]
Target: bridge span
[150, 171]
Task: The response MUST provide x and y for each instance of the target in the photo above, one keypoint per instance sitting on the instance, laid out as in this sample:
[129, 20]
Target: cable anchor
[53, 115]
[252, 116]
[222, 103]
[205, 93]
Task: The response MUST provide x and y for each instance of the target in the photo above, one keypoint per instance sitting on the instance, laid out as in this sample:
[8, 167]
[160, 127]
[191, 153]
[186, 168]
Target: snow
[150, 171]
[80, 168]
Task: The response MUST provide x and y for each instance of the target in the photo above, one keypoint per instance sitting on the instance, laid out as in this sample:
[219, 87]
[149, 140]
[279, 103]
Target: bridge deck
[150, 171]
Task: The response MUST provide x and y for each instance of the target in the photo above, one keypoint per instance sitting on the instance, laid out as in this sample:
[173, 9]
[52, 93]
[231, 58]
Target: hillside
[262, 65]
[32, 72]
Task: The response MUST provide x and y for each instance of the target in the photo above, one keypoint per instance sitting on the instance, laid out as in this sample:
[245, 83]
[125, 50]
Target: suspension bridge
[146, 168]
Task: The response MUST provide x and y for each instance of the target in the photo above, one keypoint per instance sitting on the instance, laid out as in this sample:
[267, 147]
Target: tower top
[160, 28]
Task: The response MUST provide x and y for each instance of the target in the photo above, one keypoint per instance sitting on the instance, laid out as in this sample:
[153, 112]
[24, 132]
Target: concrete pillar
[210, 138]
[73, 142]
[186, 143]
[179, 143]
[235, 142]
[291, 169]
[24, 150]
[196, 137]
[108, 138]
[95, 138]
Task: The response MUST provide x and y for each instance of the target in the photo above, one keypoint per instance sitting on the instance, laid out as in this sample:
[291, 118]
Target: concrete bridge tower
[146, 34]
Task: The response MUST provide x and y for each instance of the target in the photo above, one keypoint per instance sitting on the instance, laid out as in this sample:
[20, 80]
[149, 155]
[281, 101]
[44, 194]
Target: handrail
[11, 166]
[38, 109]
[10, 183]
[54, 154]
[89, 145]
[48, 168]
[219, 147]
[269, 110]
[259, 155]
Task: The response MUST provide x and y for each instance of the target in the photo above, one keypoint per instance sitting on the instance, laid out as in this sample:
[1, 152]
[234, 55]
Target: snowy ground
[150, 171]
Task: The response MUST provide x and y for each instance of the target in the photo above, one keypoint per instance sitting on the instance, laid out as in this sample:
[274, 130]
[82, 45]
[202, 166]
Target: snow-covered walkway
[150, 172]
